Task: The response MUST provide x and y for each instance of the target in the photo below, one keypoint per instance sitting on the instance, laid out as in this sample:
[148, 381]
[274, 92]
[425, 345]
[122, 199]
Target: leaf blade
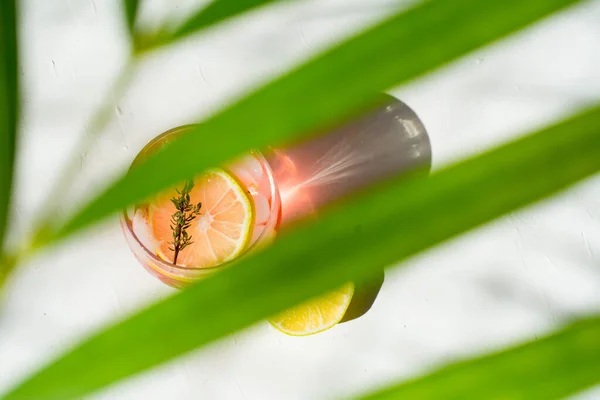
[328, 90]
[9, 100]
[322, 255]
[215, 12]
[554, 367]
[130, 9]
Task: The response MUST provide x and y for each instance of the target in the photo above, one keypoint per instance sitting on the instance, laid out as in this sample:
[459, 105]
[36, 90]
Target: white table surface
[512, 280]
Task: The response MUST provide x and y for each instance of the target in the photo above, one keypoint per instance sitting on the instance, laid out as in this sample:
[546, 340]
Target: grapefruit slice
[219, 234]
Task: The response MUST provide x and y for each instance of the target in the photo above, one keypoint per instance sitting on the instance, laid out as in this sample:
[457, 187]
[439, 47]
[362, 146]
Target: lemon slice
[315, 315]
[220, 233]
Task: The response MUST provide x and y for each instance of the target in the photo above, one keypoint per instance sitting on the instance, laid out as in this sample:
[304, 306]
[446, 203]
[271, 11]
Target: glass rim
[127, 223]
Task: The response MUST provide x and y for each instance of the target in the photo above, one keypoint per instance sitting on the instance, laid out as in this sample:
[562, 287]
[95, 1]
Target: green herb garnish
[182, 218]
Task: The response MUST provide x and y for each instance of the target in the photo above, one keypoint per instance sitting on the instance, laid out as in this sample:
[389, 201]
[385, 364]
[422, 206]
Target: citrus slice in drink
[315, 315]
[219, 234]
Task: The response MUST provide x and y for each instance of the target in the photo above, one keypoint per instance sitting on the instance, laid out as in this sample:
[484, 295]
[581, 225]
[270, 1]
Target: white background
[510, 281]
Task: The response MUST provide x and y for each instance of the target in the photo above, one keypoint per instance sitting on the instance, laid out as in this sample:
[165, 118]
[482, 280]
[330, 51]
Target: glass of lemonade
[240, 210]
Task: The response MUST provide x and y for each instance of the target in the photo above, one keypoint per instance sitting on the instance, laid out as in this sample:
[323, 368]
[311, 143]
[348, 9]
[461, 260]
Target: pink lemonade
[240, 211]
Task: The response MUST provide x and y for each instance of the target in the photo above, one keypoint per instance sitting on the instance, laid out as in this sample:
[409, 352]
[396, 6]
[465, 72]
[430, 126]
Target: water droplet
[119, 111]
[415, 152]
[125, 147]
[389, 108]
[479, 61]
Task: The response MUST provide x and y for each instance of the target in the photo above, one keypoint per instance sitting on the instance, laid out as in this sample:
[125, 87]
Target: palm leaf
[130, 8]
[550, 368]
[9, 106]
[216, 11]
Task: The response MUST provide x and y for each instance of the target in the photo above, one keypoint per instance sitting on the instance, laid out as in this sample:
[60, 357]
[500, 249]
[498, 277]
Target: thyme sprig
[182, 219]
